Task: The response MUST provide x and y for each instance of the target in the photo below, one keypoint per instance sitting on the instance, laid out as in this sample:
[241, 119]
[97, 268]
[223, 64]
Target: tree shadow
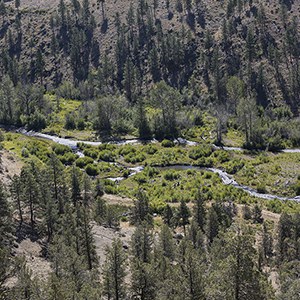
[104, 26]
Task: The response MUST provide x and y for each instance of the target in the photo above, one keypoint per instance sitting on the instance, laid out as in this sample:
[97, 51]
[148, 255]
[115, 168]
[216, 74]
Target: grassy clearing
[233, 138]
[170, 186]
[60, 109]
[27, 148]
[274, 173]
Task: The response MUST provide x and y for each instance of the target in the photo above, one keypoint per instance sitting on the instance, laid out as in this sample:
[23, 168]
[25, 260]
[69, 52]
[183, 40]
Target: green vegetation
[168, 73]
[276, 173]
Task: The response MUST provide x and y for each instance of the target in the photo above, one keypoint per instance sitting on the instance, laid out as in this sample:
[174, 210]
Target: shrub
[167, 143]
[61, 149]
[172, 175]
[127, 149]
[104, 167]
[297, 188]
[151, 172]
[67, 90]
[126, 173]
[37, 121]
[233, 166]
[70, 121]
[110, 147]
[68, 158]
[205, 162]
[134, 158]
[107, 155]
[200, 151]
[222, 156]
[198, 120]
[109, 189]
[83, 161]
[91, 170]
[261, 188]
[124, 219]
[91, 152]
[24, 152]
[150, 149]
[80, 124]
[140, 178]
[1, 136]
[276, 143]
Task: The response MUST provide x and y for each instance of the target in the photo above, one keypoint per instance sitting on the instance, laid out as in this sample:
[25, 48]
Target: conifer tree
[183, 214]
[199, 210]
[143, 280]
[141, 243]
[168, 215]
[56, 168]
[114, 272]
[166, 244]
[141, 210]
[30, 191]
[75, 187]
[212, 224]
[15, 190]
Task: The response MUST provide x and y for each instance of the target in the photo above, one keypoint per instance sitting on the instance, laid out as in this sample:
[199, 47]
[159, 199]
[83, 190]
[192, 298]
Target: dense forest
[237, 59]
[148, 149]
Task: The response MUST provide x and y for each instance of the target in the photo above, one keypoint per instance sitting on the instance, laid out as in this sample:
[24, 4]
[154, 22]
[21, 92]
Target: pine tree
[15, 190]
[193, 272]
[40, 65]
[5, 267]
[267, 242]
[87, 191]
[30, 191]
[24, 288]
[141, 243]
[50, 214]
[199, 210]
[234, 273]
[86, 236]
[212, 224]
[17, 4]
[143, 124]
[5, 230]
[168, 215]
[2, 10]
[196, 236]
[75, 187]
[141, 210]
[247, 213]
[56, 168]
[284, 234]
[143, 280]
[257, 215]
[99, 192]
[114, 271]
[166, 244]
[100, 210]
[183, 214]
[7, 101]
[154, 63]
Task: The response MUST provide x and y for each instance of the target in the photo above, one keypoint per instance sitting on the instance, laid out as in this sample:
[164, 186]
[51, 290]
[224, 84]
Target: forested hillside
[149, 149]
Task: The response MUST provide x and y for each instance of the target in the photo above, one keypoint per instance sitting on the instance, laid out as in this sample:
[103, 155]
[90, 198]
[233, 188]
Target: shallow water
[226, 178]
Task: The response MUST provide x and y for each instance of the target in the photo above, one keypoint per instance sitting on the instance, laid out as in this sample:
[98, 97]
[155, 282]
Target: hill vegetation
[145, 213]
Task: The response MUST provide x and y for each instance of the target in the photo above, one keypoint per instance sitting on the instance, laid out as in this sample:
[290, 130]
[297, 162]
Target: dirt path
[116, 199]
[10, 165]
[104, 237]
